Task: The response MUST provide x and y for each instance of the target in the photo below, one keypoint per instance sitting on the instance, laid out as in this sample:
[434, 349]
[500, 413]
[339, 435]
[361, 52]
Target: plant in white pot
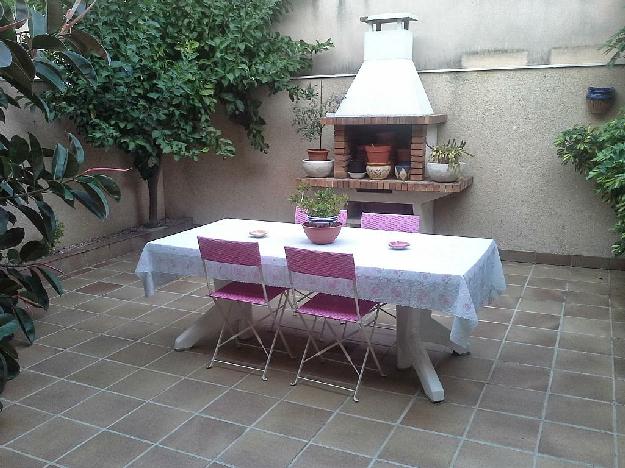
[322, 207]
[445, 164]
[308, 113]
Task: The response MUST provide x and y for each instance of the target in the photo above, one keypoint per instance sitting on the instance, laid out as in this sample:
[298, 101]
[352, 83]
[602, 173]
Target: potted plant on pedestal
[445, 165]
[307, 122]
[323, 207]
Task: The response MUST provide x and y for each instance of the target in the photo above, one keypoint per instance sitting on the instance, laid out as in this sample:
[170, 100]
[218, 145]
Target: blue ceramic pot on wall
[600, 100]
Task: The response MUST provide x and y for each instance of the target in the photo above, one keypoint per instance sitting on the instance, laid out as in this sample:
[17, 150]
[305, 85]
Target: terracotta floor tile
[504, 429]
[577, 444]
[582, 385]
[162, 457]
[240, 407]
[353, 434]
[444, 417]
[101, 346]
[103, 409]
[294, 420]
[150, 422]
[419, 448]
[257, 449]
[476, 455]
[105, 450]
[513, 400]
[190, 395]
[579, 412]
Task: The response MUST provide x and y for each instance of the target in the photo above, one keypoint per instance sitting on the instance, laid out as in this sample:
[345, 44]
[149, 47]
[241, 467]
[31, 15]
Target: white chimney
[387, 83]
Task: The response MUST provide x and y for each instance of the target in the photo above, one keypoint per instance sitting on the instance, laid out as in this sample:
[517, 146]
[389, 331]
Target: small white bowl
[258, 233]
[357, 175]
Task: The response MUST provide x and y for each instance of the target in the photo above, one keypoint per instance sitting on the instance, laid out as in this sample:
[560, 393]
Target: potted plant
[445, 165]
[308, 113]
[323, 207]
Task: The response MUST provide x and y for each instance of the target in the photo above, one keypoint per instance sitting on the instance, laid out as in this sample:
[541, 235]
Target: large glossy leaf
[61, 190]
[81, 64]
[37, 23]
[36, 156]
[55, 15]
[8, 325]
[26, 323]
[59, 161]
[35, 218]
[33, 250]
[11, 238]
[9, 286]
[77, 149]
[51, 73]
[19, 151]
[21, 58]
[6, 57]
[91, 202]
[47, 42]
[52, 279]
[86, 44]
[109, 185]
[48, 216]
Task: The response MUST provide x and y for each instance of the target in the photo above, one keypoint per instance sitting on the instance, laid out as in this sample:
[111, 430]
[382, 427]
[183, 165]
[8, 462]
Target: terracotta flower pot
[378, 154]
[317, 154]
[322, 234]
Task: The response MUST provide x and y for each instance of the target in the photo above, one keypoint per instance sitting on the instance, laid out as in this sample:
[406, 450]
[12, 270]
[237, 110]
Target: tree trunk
[153, 197]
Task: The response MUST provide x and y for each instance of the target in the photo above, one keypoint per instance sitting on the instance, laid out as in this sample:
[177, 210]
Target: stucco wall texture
[449, 29]
[522, 196]
[80, 224]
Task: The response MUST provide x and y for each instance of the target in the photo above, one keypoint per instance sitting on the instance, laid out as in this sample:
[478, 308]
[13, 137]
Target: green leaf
[86, 44]
[92, 202]
[59, 161]
[37, 23]
[26, 323]
[77, 149]
[6, 57]
[8, 325]
[9, 286]
[36, 156]
[35, 218]
[19, 150]
[52, 279]
[51, 74]
[11, 238]
[82, 65]
[47, 42]
[54, 15]
[33, 250]
[108, 184]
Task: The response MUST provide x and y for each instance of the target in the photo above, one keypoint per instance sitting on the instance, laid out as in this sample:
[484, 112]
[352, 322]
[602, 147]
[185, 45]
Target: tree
[177, 63]
[30, 172]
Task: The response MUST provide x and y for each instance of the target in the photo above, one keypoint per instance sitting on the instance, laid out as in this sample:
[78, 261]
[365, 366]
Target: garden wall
[80, 224]
[521, 195]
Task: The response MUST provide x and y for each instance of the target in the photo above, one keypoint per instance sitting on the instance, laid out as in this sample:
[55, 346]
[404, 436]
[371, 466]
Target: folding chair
[332, 308]
[390, 222]
[218, 255]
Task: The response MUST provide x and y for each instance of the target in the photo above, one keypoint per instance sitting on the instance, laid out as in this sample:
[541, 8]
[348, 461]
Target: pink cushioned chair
[245, 255]
[301, 216]
[390, 222]
[332, 308]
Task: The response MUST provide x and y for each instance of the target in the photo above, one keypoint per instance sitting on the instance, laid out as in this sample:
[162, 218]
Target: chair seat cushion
[336, 307]
[246, 292]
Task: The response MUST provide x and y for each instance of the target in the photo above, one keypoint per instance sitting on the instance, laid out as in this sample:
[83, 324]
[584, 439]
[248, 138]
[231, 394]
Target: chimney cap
[388, 18]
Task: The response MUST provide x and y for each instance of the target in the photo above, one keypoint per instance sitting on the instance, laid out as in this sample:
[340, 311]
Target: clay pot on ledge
[318, 154]
[322, 233]
[318, 169]
[378, 154]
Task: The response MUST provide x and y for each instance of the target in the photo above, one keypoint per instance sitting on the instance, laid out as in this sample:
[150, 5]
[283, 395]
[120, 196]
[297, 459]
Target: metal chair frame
[251, 324]
[338, 341]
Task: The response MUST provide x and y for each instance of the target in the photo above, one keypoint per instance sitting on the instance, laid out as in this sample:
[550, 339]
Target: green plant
[29, 172]
[9, 366]
[318, 203]
[178, 63]
[308, 111]
[599, 154]
[449, 153]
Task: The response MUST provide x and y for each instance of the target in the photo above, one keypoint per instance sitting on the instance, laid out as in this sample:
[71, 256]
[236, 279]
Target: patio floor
[543, 387]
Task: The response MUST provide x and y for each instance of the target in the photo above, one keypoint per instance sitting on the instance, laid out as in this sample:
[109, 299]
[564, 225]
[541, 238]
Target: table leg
[209, 324]
[411, 350]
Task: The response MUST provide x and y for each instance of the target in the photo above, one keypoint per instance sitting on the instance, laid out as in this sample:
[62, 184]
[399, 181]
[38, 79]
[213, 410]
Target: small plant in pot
[308, 113]
[323, 207]
[445, 165]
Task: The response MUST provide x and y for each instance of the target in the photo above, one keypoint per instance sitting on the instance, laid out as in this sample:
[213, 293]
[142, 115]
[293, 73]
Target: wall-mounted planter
[600, 100]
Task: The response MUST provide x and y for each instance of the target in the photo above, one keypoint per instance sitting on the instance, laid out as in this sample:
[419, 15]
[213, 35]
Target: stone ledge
[390, 184]
[386, 120]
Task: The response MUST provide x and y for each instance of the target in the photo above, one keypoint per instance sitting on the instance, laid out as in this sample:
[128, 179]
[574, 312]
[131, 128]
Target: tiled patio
[543, 387]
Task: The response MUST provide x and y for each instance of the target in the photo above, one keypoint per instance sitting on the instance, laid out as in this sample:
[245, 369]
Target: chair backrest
[390, 222]
[232, 252]
[301, 216]
[326, 264]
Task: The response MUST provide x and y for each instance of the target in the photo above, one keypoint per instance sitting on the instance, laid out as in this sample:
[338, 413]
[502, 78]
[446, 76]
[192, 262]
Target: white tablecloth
[453, 275]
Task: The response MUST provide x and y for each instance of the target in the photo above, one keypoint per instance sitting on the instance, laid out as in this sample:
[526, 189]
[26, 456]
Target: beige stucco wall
[522, 196]
[80, 224]
[449, 29]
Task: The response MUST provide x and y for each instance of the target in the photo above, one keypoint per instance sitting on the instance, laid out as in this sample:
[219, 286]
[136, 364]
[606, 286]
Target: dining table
[451, 275]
